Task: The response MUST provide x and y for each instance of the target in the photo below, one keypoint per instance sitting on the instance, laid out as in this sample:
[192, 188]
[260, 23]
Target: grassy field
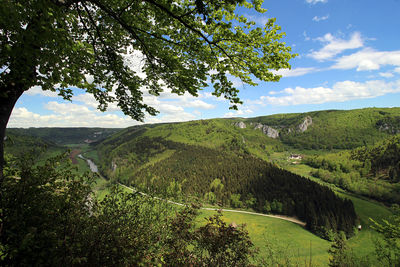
[285, 239]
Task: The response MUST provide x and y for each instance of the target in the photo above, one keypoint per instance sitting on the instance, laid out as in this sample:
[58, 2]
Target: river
[92, 166]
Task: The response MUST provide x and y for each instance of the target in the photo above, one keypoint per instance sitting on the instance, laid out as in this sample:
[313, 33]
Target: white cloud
[67, 109]
[67, 115]
[74, 115]
[294, 72]
[169, 108]
[243, 110]
[198, 104]
[397, 70]
[386, 74]
[209, 95]
[165, 103]
[83, 112]
[340, 92]
[318, 19]
[89, 100]
[182, 116]
[368, 59]
[313, 2]
[37, 90]
[186, 100]
[260, 20]
[334, 46]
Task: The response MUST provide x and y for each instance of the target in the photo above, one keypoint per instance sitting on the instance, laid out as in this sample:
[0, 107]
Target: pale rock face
[305, 124]
[268, 130]
[113, 165]
[258, 126]
[240, 124]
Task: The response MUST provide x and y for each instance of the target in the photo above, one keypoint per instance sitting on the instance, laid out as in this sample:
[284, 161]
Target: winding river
[92, 166]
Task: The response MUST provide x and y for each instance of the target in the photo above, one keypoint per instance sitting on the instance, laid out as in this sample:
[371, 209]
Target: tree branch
[198, 32]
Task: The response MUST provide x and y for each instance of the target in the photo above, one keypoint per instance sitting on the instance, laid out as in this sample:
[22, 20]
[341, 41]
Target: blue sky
[349, 57]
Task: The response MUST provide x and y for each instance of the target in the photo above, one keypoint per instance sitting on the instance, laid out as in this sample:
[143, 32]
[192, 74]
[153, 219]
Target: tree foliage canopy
[59, 44]
[50, 217]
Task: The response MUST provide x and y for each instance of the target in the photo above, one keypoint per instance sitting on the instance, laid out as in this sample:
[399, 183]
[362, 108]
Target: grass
[91, 154]
[363, 243]
[289, 237]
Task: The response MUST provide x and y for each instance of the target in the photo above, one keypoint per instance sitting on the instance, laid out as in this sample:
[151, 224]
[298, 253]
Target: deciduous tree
[60, 44]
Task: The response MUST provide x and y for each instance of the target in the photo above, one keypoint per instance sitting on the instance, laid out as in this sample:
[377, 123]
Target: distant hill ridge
[329, 129]
[65, 135]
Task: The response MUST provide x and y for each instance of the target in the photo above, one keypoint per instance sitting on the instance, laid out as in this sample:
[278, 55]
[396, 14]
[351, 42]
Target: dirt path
[73, 155]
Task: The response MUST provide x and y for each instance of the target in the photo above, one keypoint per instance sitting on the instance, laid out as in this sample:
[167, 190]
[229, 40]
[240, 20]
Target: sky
[348, 58]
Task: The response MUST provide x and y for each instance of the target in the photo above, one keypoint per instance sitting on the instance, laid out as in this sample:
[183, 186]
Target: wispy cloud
[37, 90]
[368, 59]
[386, 74]
[340, 92]
[318, 19]
[67, 115]
[313, 2]
[243, 111]
[334, 46]
[294, 72]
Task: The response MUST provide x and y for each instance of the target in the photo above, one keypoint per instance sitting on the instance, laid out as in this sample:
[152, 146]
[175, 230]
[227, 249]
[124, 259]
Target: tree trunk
[8, 98]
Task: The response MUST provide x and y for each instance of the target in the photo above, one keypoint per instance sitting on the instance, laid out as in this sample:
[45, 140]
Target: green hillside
[333, 129]
[63, 136]
[372, 171]
[18, 144]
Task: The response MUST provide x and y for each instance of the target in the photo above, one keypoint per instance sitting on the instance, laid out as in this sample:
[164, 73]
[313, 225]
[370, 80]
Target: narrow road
[93, 167]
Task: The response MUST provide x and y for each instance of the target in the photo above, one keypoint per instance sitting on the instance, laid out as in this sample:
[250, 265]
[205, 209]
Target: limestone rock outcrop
[268, 130]
[305, 124]
[240, 124]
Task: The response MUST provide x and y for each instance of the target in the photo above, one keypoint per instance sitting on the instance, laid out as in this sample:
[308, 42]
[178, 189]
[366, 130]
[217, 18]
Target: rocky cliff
[240, 124]
[275, 131]
[268, 130]
[305, 124]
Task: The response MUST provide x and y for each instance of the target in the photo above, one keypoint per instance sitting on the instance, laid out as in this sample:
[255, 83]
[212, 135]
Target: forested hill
[63, 136]
[331, 129]
[18, 144]
[229, 177]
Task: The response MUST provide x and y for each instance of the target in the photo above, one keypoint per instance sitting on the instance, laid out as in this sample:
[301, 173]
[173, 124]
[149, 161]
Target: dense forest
[229, 177]
[372, 171]
[18, 144]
